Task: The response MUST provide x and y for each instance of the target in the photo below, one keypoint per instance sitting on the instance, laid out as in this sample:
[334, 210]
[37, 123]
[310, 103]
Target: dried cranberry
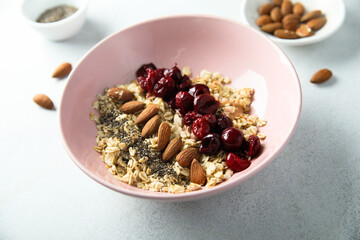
[151, 79]
[142, 70]
[160, 72]
[184, 102]
[222, 122]
[190, 117]
[210, 144]
[142, 82]
[199, 89]
[235, 163]
[171, 102]
[205, 104]
[200, 128]
[211, 119]
[254, 145]
[164, 87]
[174, 73]
[232, 139]
[185, 84]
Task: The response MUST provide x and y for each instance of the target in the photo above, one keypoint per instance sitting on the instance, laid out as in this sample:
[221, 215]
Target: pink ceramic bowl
[235, 50]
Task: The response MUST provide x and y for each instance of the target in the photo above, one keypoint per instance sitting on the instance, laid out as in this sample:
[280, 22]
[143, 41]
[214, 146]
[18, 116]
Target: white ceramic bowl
[60, 30]
[334, 11]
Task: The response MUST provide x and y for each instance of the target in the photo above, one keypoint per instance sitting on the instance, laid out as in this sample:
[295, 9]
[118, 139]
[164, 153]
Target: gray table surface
[311, 191]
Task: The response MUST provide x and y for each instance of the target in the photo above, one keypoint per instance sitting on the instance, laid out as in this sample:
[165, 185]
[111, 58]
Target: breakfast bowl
[200, 42]
[333, 10]
[59, 30]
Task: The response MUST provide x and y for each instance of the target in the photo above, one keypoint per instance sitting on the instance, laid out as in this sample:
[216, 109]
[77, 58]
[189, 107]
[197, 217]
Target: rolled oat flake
[56, 13]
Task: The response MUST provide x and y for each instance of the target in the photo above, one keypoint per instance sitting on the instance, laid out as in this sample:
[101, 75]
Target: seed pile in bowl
[169, 133]
[286, 20]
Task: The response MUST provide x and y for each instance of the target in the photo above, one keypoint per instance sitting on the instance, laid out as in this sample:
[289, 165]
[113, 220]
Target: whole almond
[163, 135]
[304, 31]
[43, 101]
[275, 14]
[62, 71]
[271, 27]
[277, 2]
[147, 113]
[286, 34]
[132, 107]
[321, 76]
[263, 20]
[197, 173]
[120, 94]
[311, 15]
[186, 156]
[172, 149]
[151, 126]
[286, 7]
[291, 25]
[290, 17]
[298, 8]
[316, 23]
[266, 8]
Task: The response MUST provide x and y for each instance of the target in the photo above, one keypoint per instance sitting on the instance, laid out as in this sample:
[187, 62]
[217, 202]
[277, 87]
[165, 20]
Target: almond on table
[62, 70]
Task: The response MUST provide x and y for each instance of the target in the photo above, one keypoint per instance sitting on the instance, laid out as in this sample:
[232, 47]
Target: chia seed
[56, 14]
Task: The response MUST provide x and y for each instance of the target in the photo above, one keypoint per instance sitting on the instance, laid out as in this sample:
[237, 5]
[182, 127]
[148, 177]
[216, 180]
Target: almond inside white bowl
[333, 10]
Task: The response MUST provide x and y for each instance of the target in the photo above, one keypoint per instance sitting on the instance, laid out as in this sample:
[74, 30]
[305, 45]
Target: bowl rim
[299, 41]
[193, 195]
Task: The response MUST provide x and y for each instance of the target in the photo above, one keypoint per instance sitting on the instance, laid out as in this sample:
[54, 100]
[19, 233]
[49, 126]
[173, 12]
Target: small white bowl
[334, 10]
[60, 30]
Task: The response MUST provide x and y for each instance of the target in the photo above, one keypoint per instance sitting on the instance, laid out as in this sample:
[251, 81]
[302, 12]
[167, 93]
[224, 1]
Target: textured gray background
[311, 191]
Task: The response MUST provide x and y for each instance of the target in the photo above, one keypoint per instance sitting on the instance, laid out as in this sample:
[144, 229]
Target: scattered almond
[275, 14]
[266, 8]
[271, 27]
[316, 23]
[120, 94]
[186, 156]
[197, 173]
[286, 34]
[172, 149]
[151, 126]
[298, 9]
[304, 31]
[263, 20]
[132, 107]
[277, 2]
[286, 7]
[147, 113]
[62, 71]
[43, 101]
[321, 76]
[311, 15]
[163, 135]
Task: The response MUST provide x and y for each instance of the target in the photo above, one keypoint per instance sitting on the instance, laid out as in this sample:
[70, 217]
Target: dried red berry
[199, 89]
[205, 104]
[210, 144]
[142, 70]
[200, 128]
[185, 84]
[164, 87]
[174, 73]
[254, 145]
[222, 122]
[235, 163]
[211, 119]
[190, 117]
[184, 102]
[232, 139]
